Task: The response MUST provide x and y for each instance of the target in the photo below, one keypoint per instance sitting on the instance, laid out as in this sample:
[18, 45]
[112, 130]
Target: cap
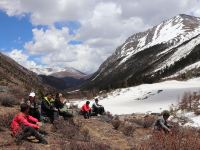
[32, 94]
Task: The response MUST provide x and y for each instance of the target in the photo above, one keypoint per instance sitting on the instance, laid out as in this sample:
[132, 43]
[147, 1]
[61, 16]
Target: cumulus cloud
[22, 59]
[52, 45]
[104, 25]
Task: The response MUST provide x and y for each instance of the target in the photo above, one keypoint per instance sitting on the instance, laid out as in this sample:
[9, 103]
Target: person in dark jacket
[96, 108]
[62, 108]
[24, 125]
[161, 123]
[47, 108]
[33, 106]
[86, 110]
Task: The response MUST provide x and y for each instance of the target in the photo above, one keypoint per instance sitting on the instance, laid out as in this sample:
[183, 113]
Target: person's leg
[85, 114]
[50, 115]
[29, 131]
[94, 111]
[89, 114]
[66, 115]
[101, 110]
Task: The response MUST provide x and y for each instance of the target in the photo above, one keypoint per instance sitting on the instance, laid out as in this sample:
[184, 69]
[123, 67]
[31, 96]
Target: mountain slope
[13, 74]
[149, 56]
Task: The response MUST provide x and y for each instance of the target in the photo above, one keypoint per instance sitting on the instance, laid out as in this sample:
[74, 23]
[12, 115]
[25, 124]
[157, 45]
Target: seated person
[33, 106]
[97, 109]
[47, 108]
[161, 124]
[62, 108]
[23, 126]
[86, 110]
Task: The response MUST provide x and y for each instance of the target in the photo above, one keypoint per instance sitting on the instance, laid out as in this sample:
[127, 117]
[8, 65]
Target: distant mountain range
[61, 78]
[168, 50]
[14, 75]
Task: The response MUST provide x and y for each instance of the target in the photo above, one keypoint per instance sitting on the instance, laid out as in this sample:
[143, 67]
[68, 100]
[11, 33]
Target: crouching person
[24, 125]
[97, 108]
[86, 110]
[161, 124]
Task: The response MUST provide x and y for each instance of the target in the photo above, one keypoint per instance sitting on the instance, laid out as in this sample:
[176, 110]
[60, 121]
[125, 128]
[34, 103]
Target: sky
[79, 34]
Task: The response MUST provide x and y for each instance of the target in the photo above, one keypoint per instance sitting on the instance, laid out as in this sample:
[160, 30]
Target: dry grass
[180, 139]
[8, 100]
[6, 120]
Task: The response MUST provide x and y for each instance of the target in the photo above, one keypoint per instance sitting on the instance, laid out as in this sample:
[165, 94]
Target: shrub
[74, 145]
[115, 123]
[8, 100]
[181, 138]
[128, 130]
[6, 120]
[190, 101]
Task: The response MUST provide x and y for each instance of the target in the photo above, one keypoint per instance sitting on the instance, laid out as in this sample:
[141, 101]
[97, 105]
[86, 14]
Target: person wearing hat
[161, 123]
[86, 110]
[33, 106]
[97, 108]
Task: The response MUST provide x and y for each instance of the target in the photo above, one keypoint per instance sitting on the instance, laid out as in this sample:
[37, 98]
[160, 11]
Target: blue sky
[79, 34]
[14, 31]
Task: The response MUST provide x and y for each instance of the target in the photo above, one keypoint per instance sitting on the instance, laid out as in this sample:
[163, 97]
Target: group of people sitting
[96, 109]
[29, 120]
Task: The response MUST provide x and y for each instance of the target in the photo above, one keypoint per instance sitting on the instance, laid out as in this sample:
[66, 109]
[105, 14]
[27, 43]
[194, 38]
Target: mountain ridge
[166, 43]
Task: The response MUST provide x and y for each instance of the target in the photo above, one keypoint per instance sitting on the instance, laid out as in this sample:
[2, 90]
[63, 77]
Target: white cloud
[105, 24]
[22, 59]
[54, 50]
[49, 40]
[48, 11]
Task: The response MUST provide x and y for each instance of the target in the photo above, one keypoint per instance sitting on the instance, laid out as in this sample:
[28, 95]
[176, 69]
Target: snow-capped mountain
[69, 72]
[61, 78]
[59, 72]
[46, 71]
[149, 56]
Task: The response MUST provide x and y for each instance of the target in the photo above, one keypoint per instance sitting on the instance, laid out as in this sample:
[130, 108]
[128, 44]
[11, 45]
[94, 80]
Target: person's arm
[96, 105]
[32, 119]
[86, 108]
[163, 125]
[25, 122]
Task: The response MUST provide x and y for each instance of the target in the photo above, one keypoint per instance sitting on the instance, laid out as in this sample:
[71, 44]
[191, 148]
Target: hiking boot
[43, 142]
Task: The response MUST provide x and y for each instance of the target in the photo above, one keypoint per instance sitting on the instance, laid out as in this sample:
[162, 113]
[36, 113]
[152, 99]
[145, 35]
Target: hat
[166, 113]
[32, 94]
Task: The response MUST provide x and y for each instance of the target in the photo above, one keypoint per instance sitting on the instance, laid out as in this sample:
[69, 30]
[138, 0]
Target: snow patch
[147, 97]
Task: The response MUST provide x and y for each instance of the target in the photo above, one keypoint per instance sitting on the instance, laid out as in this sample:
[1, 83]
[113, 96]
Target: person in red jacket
[24, 125]
[86, 110]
